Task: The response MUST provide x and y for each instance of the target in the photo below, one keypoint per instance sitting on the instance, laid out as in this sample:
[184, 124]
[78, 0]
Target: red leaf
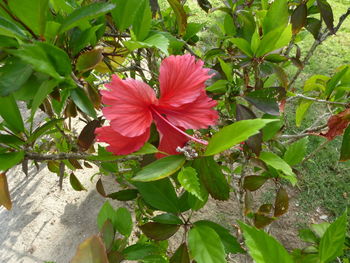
[337, 124]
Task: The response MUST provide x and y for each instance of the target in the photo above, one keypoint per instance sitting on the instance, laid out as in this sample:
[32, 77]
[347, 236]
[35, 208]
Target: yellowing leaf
[5, 199]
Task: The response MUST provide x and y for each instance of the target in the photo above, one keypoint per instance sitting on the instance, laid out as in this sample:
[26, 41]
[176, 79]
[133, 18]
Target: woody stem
[178, 129]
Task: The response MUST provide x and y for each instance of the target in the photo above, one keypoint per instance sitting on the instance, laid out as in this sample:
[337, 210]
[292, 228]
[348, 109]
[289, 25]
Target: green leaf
[124, 13]
[189, 181]
[92, 250]
[75, 183]
[345, 147]
[205, 245]
[10, 113]
[333, 82]
[278, 11]
[124, 195]
[146, 149]
[108, 234]
[123, 221]
[140, 251]
[308, 236]
[8, 28]
[243, 45]
[13, 75]
[227, 69]
[32, 13]
[326, 14]
[142, 21]
[301, 111]
[85, 13]
[45, 89]
[158, 231]
[332, 242]
[160, 195]
[167, 218]
[160, 169]
[89, 60]
[181, 16]
[234, 134]
[156, 41]
[106, 212]
[8, 160]
[271, 129]
[264, 248]
[219, 86]
[83, 102]
[181, 255]
[211, 175]
[229, 241]
[43, 129]
[279, 164]
[45, 58]
[296, 152]
[254, 182]
[11, 140]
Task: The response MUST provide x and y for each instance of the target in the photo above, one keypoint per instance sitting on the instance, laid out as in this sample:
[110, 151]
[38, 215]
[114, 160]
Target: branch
[321, 38]
[318, 100]
[64, 156]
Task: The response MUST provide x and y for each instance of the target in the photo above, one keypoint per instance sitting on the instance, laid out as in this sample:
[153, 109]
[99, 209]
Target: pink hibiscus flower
[133, 106]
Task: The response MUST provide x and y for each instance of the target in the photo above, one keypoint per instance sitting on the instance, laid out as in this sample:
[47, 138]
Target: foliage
[55, 57]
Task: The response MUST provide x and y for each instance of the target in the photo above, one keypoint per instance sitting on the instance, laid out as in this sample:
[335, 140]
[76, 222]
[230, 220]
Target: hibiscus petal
[128, 109]
[119, 144]
[195, 115]
[182, 79]
[169, 138]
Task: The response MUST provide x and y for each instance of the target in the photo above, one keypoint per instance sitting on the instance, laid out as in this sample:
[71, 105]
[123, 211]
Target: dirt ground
[47, 224]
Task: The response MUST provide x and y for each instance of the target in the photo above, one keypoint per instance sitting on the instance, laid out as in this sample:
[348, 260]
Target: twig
[319, 148]
[64, 156]
[321, 38]
[317, 100]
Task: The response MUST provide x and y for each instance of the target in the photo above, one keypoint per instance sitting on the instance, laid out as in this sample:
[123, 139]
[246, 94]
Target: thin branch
[65, 156]
[19, 21]
[312, 154]
[318, 100]
[321, 38]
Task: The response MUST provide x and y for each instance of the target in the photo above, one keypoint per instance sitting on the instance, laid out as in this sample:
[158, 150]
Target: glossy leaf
[212, 177]
[139, 251]
[146, 149]
[160, 195]
[87, 135]
[85, 13]
[278, 11]
[10, 159]
[32, 13]
[205, 5]
[229, 241]
[45, 58]
[254, 182]
[243, 45]
[264, 248]
[106, 212]
[44, 90]
[8, 28]
[92, 250]
[10, 113]
[89, 60]
[158, 231]
[45, 128]
[334, 81]
[181, 15]
[154, 41]
[276, 162]
[13, 75]
[189, 181]
[75, 183]
[168, 218]
[205, 245]
[107, 234]
[123, 221]
[332, 242]
[233, 134]
[298, 18]
[82, 101]
[124, 13]
[5, 199]
[301, 111]
[326, 14]
[124, 195]
[281, 202]
[296, 152]
[160, 169]
[142, 21]
[345, 147]
[314, 26]
[181, 255]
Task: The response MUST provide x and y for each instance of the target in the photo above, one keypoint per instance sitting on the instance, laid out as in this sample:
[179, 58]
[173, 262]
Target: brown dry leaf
[5, 198]
[92, 250]
[337, 124]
